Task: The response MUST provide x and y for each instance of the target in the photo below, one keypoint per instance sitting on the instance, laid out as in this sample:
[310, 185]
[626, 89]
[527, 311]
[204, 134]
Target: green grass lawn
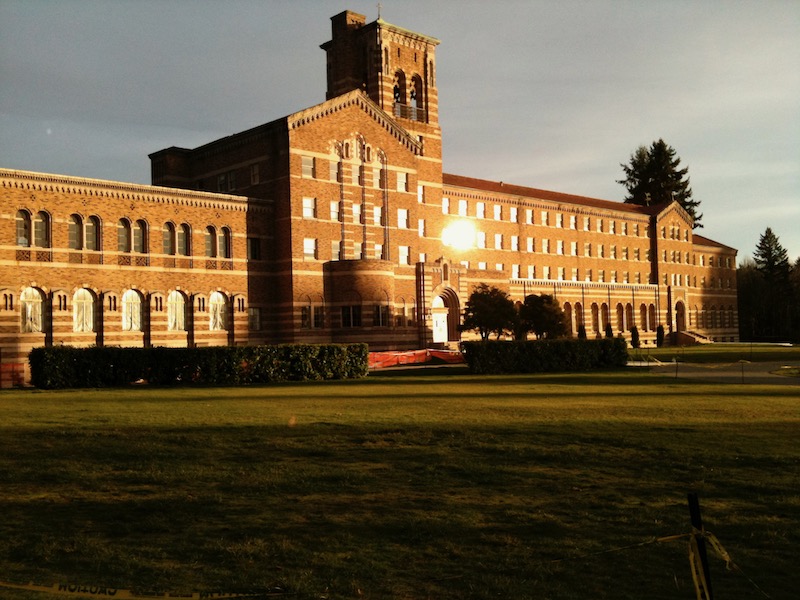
[423, 484]
[720, 353]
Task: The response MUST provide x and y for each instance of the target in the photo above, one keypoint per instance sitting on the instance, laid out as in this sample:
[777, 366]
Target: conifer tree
[653, 176]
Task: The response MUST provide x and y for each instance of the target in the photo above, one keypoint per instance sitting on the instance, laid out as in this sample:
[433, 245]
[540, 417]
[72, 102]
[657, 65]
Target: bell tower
[395, 67]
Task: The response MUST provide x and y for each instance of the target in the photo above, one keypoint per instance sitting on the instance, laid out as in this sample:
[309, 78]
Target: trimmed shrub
[544, 356]
[69, 367]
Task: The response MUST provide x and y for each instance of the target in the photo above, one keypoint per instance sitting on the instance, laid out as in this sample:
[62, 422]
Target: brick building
[337, 223]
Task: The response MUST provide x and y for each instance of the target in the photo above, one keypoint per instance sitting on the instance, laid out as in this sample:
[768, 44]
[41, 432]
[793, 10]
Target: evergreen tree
[751, 295]
[774, 310]
[653, 177]
[489, 310]
[771, 258]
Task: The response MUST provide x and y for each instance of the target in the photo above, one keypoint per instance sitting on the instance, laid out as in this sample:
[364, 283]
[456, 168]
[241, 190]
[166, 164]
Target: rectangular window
[545, 272]
[380, 315]
[574, 274]
[546, 246]
[498, 241]
[482, 266]
[481, 239]
[573, 222]
[531, 272]
[318, 317]
[480, 211]
[421, 227]
[376, 177]
[529, 216]
[600, 252]
[379, 251]
[515, 271]
[355, 175]
[254, 318]
[599, 225]
[624, 229]
[498, 212]
[335, 171]
[254, 174]
[499, 267]
[611, 226]
[253, 248]
[559, 247]
[588, 275]
[587, 249]
[358, 253]
[561, 273]
[404, 255]
[308, 167]
[559, 220]
[529, 246]
[402, 182]
[445, 205]
[513, 214]
[222, 182]
[544, 218]
[336, 250]
[420, 194]
[309, 208]
[515, 242]
[613, 252]
[335, 214]
[351, 316]
[356, 213]
[309, 248]
[462, 208]
[573, 248]
[377, 215]
[402, 218]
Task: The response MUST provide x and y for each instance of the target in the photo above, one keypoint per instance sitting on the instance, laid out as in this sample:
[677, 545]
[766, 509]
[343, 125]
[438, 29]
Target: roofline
[35, 179]
[449, 179]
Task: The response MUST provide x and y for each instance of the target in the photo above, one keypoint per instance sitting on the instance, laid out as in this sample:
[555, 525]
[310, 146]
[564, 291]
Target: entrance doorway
[445, 317]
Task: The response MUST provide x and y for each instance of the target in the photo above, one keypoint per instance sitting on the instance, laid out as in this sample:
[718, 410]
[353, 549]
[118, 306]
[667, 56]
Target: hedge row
[69, 367]
[544, 356]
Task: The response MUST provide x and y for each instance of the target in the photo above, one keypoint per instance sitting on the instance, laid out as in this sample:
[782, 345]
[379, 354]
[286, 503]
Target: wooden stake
[697, 525]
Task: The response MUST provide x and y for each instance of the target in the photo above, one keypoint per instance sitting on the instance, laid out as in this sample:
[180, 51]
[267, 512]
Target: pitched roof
[699, 240]
[534, 193]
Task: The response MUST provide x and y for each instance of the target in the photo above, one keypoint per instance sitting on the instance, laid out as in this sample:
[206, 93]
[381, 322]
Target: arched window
[620, 318]
[417, 112]
[168, 235]
[176, 311]
[131, 311]
[92, 234]
[124, 235]
[211, 242]
[224, 243]
[30, 301]
[184, 240]
[595, 323]
[41, 230]
[140, 244]
[75, 232]
[216, 312]
[23, 228]
[82, 311]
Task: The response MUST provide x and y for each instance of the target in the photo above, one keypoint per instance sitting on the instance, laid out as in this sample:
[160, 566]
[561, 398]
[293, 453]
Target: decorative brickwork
[343, 228]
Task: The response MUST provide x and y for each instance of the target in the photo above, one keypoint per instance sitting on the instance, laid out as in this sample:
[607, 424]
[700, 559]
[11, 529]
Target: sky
[552, 94]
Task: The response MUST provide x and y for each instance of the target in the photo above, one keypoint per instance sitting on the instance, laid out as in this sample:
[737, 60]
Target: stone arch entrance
[445, 312]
